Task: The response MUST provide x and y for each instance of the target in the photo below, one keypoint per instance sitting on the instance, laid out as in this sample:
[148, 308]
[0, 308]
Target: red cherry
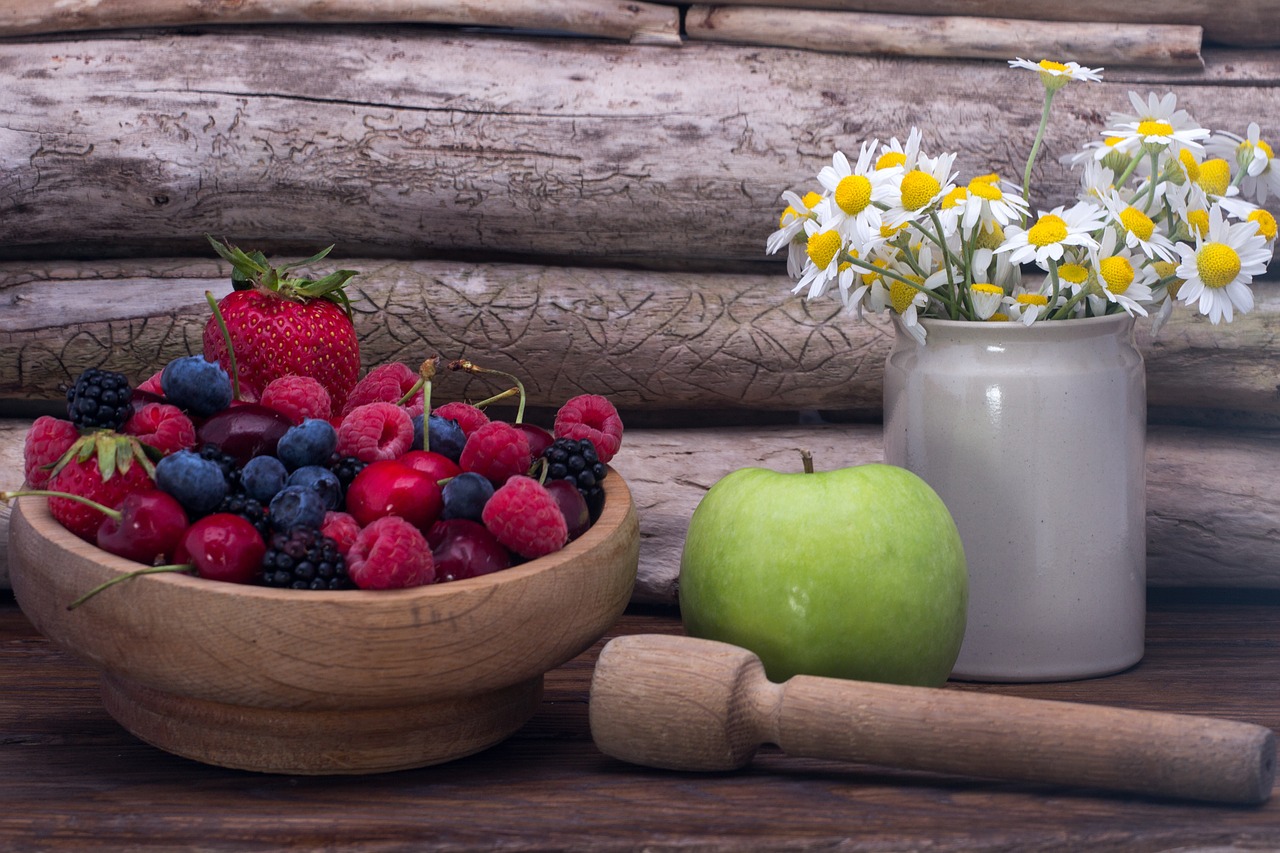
[539, 438]
[223, 547]
[245, 430]
[150, 526]
[573, 506]
[461, 548]
[387, 487]
[437, 466]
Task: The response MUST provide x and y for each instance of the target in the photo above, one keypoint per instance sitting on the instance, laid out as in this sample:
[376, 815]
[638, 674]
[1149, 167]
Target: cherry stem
[510, 392]
[471, 367]
[806, 459]
[105, 510]
[543, 466]
[149, 570]
[226, 339]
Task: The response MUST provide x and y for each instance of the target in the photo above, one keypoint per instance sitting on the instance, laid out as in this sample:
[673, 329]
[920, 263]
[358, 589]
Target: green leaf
[106, 447]
[319, 256]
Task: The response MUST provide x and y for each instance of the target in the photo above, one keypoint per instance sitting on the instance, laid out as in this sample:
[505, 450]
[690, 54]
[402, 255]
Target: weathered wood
[617, 19]
[1247, 23]
[948, 37]
[649, 340]
[1213, 498]
[415, 142]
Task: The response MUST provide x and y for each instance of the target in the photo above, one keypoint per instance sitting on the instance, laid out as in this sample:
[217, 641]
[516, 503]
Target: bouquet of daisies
[1167, 211]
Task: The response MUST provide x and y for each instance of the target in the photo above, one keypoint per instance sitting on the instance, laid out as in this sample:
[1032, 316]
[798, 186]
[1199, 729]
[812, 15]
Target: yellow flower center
[1117, 272]
[811, 199]
[1189, 164]
[902, 294]
[1049, 230]
[951, 199]
[1152, 127]
[1073, 273]
[888, 231]
[823, 247]
[918, 189]
[1050, 65]
[998, 317]
[869, 277]
[1266, 149]
[1137, 222]
[1266, 223]
[984, 186]
[853, 194]
[1033, 299]
[1164, 269]
[1199, 221]
[1218, 264]
[889, 159]
[990, 239]
[787, 215]
[1215, 176]
[989, 289]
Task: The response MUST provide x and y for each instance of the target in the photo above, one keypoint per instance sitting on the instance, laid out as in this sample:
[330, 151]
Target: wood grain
[649, 340]
[413, 142]
[948, 37]
[72, 779]
[1249, 23]
[631, 20]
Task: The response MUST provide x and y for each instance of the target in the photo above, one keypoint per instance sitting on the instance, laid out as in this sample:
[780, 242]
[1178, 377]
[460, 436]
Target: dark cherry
[149, 527]
[437, 466]
[573, 506]
[539, 438]
[245, 431]
[461, 548]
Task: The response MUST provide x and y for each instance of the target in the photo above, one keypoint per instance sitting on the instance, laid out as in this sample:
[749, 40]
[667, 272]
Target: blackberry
[576, 460]
[99, 399]
[230, 467]
[304, 558]
[250, 509]
[346, 468]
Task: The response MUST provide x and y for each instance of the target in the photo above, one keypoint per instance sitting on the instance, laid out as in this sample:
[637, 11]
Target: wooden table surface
[70, 777]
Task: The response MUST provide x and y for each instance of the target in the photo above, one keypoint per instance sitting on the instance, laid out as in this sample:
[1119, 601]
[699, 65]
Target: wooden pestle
[687, 704]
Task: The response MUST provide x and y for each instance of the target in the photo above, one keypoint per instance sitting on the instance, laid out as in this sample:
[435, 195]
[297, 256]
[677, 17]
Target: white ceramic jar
[1035, 439]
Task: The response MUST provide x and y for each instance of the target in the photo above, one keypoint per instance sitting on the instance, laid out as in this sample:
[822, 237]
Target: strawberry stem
[149, 570]
[226, 339]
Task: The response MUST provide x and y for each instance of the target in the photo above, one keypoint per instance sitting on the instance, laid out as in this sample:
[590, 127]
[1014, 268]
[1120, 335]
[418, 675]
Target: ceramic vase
[1034, 437]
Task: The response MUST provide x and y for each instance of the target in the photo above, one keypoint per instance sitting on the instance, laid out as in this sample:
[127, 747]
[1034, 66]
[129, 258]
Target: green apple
[853, 573]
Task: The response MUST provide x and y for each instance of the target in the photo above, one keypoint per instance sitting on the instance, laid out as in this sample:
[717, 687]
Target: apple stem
[149, 570]
[806, 458]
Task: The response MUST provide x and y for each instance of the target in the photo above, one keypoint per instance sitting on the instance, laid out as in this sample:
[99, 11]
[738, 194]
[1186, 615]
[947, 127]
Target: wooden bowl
[307, 682]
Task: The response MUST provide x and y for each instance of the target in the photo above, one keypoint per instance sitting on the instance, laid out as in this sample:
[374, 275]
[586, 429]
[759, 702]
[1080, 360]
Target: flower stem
[1035, 147]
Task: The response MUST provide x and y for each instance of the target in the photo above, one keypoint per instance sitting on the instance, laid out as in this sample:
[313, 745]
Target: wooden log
[650, 340]
[1248, 23]
[416, 142]
[953, 37]
[1213, 497]
[640, 22]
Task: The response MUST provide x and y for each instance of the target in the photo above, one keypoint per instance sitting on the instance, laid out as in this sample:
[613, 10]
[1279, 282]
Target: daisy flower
[1047, 240]
[1217, 273]
[791, 222]
[1055, 75]
[894, 153]
[1140, 231]
[823, 247]
[1252, 153]
[1027, 305]
[986, 298]
[919, 187]
[1123, 277]
[1155, 126]
[907, 302]
[991, 201]
[853, 191]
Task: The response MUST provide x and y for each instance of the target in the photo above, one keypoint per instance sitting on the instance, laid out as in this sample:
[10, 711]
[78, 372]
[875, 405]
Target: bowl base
[303, 742]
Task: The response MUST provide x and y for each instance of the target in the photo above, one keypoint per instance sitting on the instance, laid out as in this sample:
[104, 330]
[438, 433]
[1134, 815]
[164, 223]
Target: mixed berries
[310, 478]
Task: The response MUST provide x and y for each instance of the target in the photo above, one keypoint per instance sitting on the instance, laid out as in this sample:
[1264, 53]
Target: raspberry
[163, 427]
[99, 399]
[526, 518]
[591, 416]
[375, 431]
[390, 554]
[46, 441]
[342, 528]
[497, 451]
[152, 385]
[298, 397]
[468, 417]
[386, 383]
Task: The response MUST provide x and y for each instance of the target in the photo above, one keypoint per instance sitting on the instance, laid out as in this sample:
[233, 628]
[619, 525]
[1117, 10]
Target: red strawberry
[281, 326]
[104, 467]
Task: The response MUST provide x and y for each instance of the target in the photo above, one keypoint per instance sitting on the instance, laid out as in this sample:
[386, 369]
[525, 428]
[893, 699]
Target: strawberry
[281, 326]
[102, 466]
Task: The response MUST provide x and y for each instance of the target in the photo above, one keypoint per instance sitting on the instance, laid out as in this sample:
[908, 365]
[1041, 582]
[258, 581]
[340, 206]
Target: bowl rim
[617, 504]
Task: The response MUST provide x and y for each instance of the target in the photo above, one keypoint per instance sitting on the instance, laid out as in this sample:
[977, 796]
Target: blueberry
[262, 477]
[465, 496]
[323, 481]
[445, 436]
[199, 386]
[296, 506]
[311, 442]
[194, 481]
